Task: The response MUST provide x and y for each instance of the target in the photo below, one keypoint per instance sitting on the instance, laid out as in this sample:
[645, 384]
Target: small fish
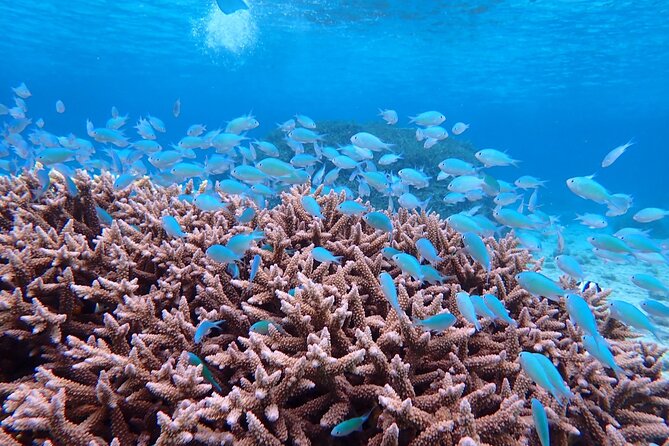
[650, 283]
[209, 202]
[262, 327]
[492, 158]
[457, 167]
[409, 265]
[286, 127]
[305, 121]
[240, 243]
[655, 308]
[428, 118]
[389, 158]
[233, 270]
[466, 308]
[415, 178]
[533, 368]
[599, 349]
[103, 216]
[222, 254]
[304, 135]
[581, 314]
[389, 252]
[390, 291]
[648, 215]
[379, 220]
[569, 266]
[539, 285]
[22, 91]
[60, 106]
[632, 316]
[390, 116]
[427, 250]
[529, 182]
[609, 243]
[172, 227]
[311, 206]
[351, 208]
[321, 254]
[246, 216]
[480, 307]
[193, 359]
[614, 154]
[541, 422]
[498, 308]
[351, 425]
[592, 221]
[409, 201]
[176, 108]
[255, 265]
[438, 322]
[432, 276]
[477, 249]
[204, 328]
[459, 128]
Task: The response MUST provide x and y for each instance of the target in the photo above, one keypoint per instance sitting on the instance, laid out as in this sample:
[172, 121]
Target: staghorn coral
[96, 322]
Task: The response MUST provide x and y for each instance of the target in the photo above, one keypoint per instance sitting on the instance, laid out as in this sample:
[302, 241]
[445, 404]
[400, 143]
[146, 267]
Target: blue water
[556, 83]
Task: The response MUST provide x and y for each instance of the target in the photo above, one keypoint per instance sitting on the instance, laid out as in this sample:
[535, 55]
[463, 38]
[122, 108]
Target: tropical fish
[60, 106]
[614, 154]
[466, 308]
[369, 141]
[193, 359]
[310, 205]
[480, 307]
[351, 425]
[323, 255]
[172, 227]
[246, 216]
[390, 291]
[581, 314]
[378, 220]
[535, 370]
[648, 215]
[428, 118]
[650, 283]
[498, 308]
[492, 158]
[222, 254]
[477, 249]
[540, 422]
[654, 308]
[539, 285]
[609, 243]
[209, 202]
[593, 221]
[409, 201]
[632, 316]
[438, 322]
[529, 182]
[349, 207]
[409, 265]
[255, 266]
[599, 349]
[240, 243]
[390, 116]
[262, 327]
[569, 266]
[204, 328]
[103, 216]
[459, 128]
[427, 250]
[305, 121]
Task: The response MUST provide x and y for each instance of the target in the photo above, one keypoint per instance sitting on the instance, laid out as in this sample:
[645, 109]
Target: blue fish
[193, 359]
[204, 328]
[347, 427]
[390, 291]
[540, 422]
[581, 314]
[246, 216]
[312, 207]
[233, 270]
[262, 327]
[222, 254]
[323, 255]
[240, 243]
[172, 227]
[427, 250]
[255, 265]
[498, 308]
[438, 322]
[104, 216]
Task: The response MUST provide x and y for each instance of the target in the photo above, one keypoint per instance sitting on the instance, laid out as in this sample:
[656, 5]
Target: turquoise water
[557, 83]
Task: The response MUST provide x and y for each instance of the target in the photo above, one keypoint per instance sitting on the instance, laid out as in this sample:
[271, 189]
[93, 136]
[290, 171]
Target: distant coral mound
[97, 321]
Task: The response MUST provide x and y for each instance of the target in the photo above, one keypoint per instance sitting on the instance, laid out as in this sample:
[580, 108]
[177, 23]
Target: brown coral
[96, 322]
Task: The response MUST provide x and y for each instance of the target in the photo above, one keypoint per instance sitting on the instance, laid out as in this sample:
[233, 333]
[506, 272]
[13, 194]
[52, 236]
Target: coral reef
[97, 322]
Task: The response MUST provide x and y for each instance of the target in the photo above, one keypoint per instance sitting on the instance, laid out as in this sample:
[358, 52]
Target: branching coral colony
[98, 324]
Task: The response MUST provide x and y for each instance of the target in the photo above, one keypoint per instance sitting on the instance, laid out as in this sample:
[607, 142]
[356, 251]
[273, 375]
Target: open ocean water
[555, 84]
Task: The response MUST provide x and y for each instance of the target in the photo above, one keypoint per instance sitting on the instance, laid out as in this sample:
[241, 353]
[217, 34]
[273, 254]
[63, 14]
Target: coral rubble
[97, 323]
